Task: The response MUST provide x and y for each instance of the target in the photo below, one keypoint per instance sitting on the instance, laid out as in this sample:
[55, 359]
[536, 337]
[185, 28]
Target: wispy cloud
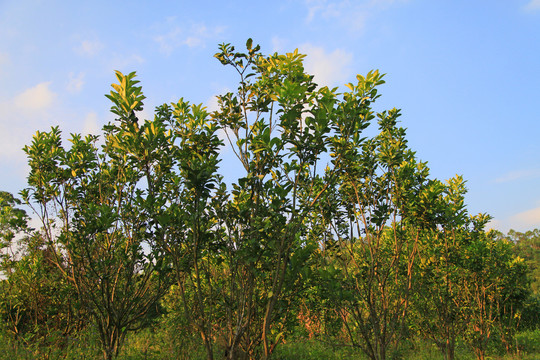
[278, 44]
[329, 68]
[4, 58]
[124, 63]
[496, 224]
[352, 14]
[175, 35]
[518, 175]
[532, 5]
[89, 47]
[324, 8]
[75, 82]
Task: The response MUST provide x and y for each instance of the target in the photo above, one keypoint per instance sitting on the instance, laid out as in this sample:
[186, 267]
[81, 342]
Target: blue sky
[466, 74]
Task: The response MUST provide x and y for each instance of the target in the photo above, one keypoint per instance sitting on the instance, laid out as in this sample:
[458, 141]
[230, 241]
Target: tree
[439, 308]
[277, 124]
[38, 307]
[527, 247]
[470, 287]
[97, 216]
[190, 193]
[376, 215]
[495, 287]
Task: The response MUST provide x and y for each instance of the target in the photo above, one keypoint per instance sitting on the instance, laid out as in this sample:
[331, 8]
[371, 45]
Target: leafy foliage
[326, 232]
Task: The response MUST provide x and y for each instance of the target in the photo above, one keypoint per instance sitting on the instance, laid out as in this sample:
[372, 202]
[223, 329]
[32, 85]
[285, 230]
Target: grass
[149, 344]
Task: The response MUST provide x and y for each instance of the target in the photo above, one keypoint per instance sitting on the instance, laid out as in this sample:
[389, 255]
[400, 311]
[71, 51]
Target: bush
[315, 350]
[528, 341]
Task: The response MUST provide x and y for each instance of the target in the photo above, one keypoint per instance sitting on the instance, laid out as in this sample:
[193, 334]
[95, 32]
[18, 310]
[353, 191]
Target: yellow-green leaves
[126, 97]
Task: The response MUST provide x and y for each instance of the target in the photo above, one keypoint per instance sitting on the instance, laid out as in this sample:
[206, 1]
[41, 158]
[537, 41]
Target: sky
[465, 74]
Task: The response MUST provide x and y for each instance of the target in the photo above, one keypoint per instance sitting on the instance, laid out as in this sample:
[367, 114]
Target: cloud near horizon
[91, 124]
[527, 219]
[523, 221]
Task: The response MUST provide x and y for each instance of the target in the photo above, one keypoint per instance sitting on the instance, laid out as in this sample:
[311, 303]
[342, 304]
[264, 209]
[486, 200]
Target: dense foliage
[327, 233]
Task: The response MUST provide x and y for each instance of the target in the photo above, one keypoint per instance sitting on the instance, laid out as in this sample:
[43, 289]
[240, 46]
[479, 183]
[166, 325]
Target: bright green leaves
[53, 169]
[365, 89]
[278, 124]
[241, 61]
[284, 66]
[126, 97]
[198, 148]
[99, 206]
[45, 156]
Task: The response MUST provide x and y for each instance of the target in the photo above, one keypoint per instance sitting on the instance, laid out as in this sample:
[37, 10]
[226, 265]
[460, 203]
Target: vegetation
[329, 244]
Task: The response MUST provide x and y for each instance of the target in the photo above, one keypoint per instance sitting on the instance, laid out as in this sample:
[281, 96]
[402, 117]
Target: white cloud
[350, 14]
[199, 33]
[518, 175]
[329, 68]
[125, 62]
[145, 114]
[168, 42]
[212, 104]
[91, 124]
[75, 83]
[20, 116]
[177, 35]
[89, 47]
[324, 8]
[36, 98]
[11, 142]
[532, 5]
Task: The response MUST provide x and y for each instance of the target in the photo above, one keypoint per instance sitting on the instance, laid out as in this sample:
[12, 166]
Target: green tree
[527, 246]
[97, 216]
[376, 215]
[191, 193]
[439, 308]
[277, 124]
[494, 287]
[38, 306]
[319, 210]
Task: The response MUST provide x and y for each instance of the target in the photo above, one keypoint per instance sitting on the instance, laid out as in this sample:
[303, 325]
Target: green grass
[149, 344]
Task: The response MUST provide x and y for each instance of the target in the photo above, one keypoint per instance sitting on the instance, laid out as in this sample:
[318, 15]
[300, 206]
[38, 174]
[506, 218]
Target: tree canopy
[323, 224]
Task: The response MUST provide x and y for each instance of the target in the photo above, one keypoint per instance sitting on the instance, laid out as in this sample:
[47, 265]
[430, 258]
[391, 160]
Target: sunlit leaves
[126, 97]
